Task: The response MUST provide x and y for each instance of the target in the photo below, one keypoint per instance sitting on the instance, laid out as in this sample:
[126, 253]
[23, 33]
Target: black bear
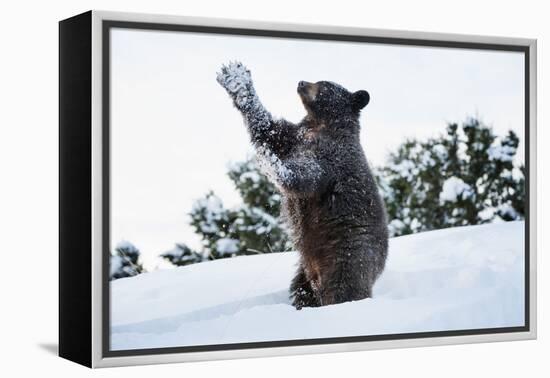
[330, 199]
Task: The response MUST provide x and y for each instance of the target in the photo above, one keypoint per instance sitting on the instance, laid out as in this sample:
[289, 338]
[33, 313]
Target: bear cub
[330, 200]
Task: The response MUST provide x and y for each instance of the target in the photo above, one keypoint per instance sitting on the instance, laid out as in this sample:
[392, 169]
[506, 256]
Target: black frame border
[108, 25]
[75, 189]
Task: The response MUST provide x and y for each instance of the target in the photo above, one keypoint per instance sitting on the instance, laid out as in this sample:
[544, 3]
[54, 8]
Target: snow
[227, 246]
[453, 188]
[252, 175]
[440, 151]
[507, 174]
[115, 265]
[503, 153]
[395, 226]
[178, 253]
[415, 224]
[426, 159]
[212, 208]
[508, 210]
[486, 214]
[175, 252]
[478, 146]
[452, 279]
[273, 167]
[405, 168]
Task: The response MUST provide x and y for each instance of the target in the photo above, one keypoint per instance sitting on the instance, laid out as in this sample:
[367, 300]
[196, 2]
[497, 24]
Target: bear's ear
[360, 99]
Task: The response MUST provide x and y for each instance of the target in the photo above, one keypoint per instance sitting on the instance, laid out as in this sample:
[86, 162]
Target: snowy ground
[460, 278]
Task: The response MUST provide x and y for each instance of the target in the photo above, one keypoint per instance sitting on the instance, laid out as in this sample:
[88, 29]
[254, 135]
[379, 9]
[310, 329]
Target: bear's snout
[302, 85]
[307, 90]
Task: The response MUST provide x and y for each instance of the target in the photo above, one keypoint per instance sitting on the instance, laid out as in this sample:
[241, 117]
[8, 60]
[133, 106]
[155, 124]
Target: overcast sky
[174, 129]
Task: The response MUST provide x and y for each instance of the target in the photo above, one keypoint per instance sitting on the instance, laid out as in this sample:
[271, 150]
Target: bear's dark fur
[330, 198]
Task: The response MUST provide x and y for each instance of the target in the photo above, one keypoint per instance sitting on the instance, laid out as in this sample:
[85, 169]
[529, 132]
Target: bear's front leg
[237, 81]
[278, 136]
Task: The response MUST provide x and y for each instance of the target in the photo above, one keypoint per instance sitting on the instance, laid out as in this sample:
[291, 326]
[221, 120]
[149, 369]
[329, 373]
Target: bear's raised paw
[235, 78]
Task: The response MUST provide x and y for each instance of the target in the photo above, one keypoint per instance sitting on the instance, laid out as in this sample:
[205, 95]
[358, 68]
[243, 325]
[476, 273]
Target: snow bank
[459, 278]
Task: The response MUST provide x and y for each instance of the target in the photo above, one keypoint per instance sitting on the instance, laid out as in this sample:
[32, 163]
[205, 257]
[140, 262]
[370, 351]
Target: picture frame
[85, 148]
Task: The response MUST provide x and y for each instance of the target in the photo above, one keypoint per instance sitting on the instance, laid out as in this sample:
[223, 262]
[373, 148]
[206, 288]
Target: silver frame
[98, 360]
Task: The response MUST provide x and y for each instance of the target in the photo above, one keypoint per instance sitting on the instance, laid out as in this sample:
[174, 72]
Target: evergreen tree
[181, 255]
[125, 261]
[251, 228]
[466, 176]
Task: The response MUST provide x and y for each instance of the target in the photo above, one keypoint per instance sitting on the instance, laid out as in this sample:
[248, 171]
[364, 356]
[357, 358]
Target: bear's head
[326, 101]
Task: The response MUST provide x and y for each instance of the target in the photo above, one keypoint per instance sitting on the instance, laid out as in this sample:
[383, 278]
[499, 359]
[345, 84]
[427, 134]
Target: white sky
[174, 129]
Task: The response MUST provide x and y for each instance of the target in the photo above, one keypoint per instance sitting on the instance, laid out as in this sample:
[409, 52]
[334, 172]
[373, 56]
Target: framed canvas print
[235, 189]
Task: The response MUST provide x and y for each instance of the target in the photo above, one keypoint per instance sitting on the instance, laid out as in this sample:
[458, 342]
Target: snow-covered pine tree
[466, 176]
[251, 228]
[125, 261]
[181, 255]
[254, 187]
